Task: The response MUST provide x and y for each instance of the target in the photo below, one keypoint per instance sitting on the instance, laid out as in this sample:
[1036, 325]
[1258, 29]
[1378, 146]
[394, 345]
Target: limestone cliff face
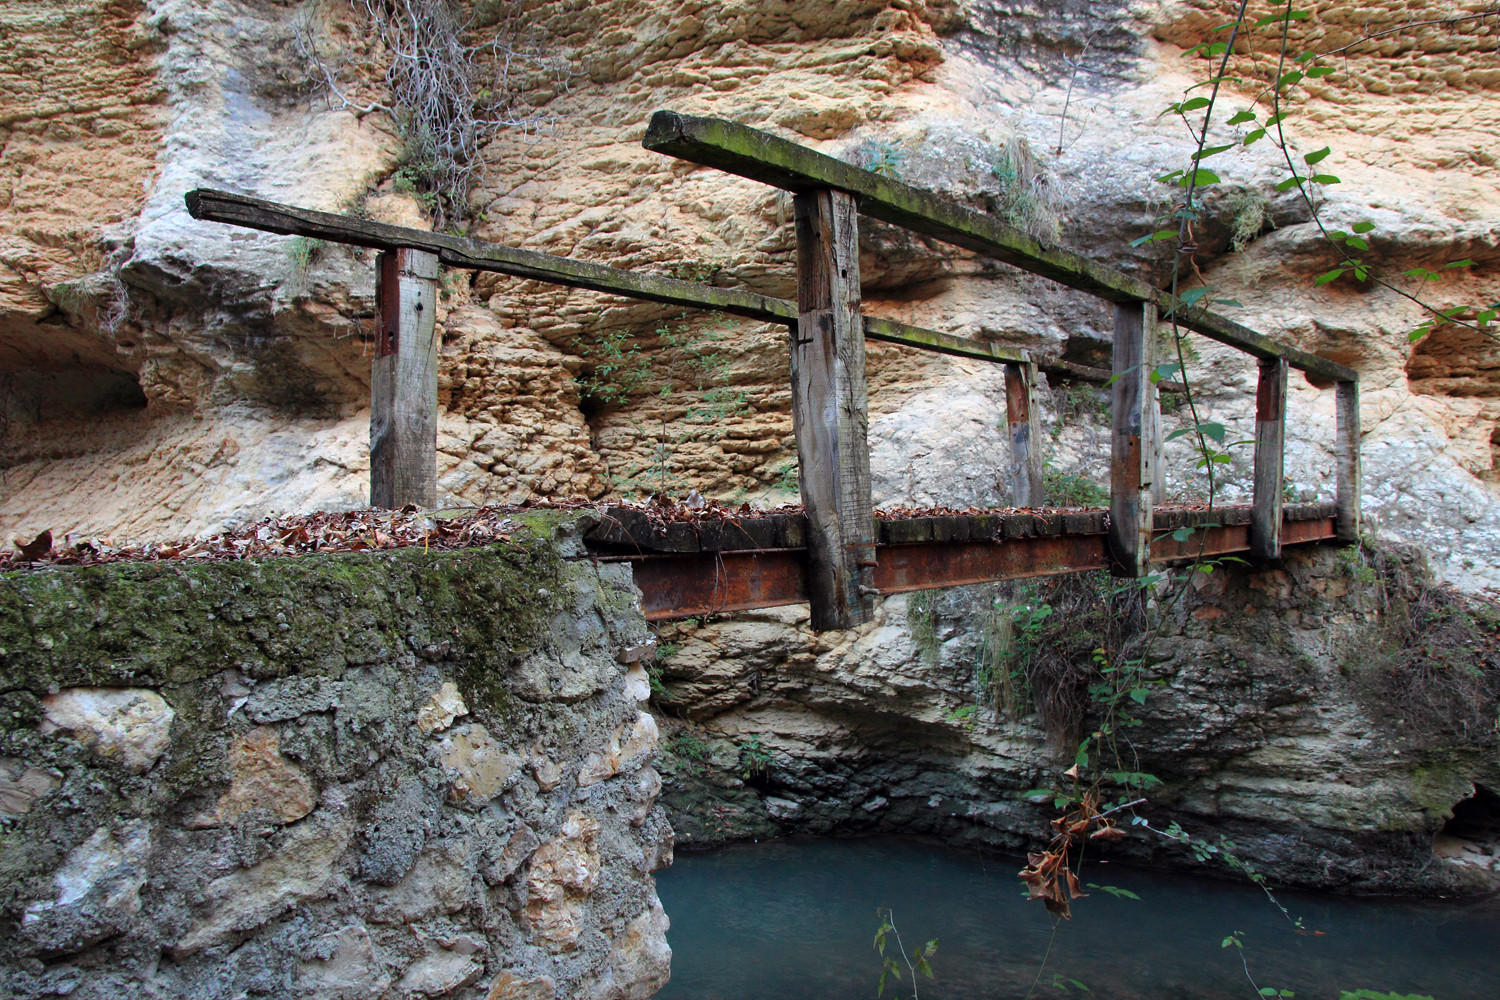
[1263, 715]
[327, 777]
[164, 376]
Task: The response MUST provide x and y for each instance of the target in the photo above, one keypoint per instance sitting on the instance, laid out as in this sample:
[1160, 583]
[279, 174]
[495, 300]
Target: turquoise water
[785, 920]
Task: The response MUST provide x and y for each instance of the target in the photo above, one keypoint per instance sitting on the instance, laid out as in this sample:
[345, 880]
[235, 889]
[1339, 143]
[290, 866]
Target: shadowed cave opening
[1472, 836]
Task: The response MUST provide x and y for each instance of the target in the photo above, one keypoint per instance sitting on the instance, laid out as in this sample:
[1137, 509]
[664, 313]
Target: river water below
[786, 920]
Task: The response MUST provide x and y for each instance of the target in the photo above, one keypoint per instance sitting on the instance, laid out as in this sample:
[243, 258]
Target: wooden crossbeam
[478, 255]
[769, 159]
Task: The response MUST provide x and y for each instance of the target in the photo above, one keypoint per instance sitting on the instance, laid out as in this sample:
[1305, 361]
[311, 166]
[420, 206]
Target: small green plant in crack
[755, 759]
[879, 156]
[1073, 490]
[692, 753]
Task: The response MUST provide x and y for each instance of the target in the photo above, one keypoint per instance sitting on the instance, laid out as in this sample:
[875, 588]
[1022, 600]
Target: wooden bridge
[837, 556]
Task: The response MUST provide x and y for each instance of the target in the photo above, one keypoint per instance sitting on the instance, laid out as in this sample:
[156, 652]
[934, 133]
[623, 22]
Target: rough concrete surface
[318, 777]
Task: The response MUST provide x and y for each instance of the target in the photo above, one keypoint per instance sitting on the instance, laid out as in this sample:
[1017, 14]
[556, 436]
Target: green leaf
[1169, 178]
[1362, 227]
[1191, 296]
[1361, 272]
[1328, 276]
[1241, 117]
[1460, 263]
[1317, 155]
[1160, 234]
[1212, 431]
[1317, 72]
[1289, 183]
[1324, 179]
[1193, 104]
[1138, 695]
[1276, 119]
[1213, 151]
[1287, 79]
[1038, 794]
[1182, 534]
[1199, 178]
[1115, 891]
[1253, 135]
[1267, 991]
[1357, 243]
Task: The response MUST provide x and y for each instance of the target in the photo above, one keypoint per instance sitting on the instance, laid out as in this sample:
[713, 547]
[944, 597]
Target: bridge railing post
[1024, 472]
[1347, 500]
[403, 381]
[829, 411]
[1270, 459]
[1134, 448]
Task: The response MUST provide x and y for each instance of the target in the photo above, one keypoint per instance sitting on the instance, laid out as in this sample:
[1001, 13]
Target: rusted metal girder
[702, 583]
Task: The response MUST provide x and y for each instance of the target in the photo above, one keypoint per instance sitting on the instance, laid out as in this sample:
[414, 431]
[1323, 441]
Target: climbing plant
[455, 77]
[1103, 788]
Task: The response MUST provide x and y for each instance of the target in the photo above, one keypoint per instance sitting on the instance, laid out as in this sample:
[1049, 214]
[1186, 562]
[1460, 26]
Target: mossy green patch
[172, 623]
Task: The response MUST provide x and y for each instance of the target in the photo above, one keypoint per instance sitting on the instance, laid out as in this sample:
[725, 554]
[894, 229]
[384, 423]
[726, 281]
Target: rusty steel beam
[692, 584]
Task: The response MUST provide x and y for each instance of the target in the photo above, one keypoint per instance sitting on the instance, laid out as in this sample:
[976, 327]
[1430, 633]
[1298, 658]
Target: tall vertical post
[1134, 458]
[829, 414]
[1024, 473]
[1270, 458]
[403, 381]
[1347, 500]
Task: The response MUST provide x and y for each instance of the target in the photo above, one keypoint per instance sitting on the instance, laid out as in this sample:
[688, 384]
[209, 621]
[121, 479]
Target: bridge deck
[708, 566]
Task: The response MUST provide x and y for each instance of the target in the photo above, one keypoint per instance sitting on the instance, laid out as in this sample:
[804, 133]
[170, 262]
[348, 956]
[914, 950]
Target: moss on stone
[171, 623]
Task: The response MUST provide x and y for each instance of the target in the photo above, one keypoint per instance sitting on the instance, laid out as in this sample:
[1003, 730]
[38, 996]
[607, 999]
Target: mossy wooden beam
[769, 159]
[461, 251]
[478, 255]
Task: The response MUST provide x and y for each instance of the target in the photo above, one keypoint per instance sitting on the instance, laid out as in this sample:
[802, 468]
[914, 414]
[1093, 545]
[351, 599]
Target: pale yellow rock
[445, 705]
[350, 973]
[641, 957]
[562, 874]
[640, 740]
[302, 868]
[439, 974]
[262, 779]
[126, 726]
[508, 987]
[21, 785]
[626, 746]
[547, 771]
[637, 683]
[478, 766]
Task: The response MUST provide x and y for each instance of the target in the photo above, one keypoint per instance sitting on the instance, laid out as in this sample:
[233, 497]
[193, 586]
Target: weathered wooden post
[829, 412]
[403, 381]
[1270, 459]
[1134, 458]
[1024, 474]
[1347, 500]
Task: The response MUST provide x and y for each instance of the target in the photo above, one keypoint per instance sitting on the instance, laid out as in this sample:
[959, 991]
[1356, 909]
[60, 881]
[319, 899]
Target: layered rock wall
[403, 775]
[164, 377]
[1266, 716]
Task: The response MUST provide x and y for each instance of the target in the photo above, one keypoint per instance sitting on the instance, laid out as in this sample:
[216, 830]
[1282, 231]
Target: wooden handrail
[769, 159]
[479, 255]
